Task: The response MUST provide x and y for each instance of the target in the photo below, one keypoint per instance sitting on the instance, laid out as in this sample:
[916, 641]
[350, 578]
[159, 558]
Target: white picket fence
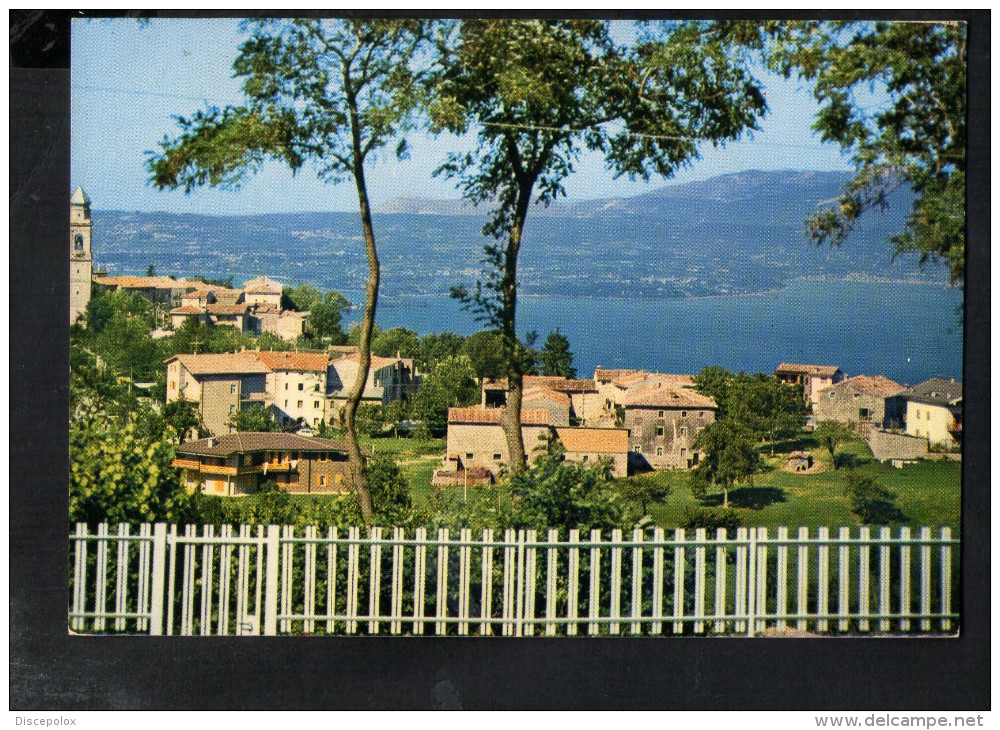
[279, 580]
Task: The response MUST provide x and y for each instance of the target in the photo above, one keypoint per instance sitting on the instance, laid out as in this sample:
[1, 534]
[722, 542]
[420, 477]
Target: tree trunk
[725, 496]
[510, 417]
[358, 481]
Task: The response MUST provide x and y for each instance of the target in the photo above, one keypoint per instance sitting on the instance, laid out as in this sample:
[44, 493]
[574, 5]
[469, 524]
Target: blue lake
[907, 332]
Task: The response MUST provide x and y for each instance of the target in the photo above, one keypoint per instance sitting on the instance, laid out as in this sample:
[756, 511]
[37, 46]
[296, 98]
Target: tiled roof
[140, 282]
[578, 386]
[552, 382]
[377, 362]
[536, 393]
[227, 308]
[674, 381]
[823, 371]
[666, 397]
[187, 310]
[603, 375]
[262, 285]
[478, 414]
[594, 440]
[876, 385]
[248, 441]
[227, 363]
[936, 391]
[306, 361]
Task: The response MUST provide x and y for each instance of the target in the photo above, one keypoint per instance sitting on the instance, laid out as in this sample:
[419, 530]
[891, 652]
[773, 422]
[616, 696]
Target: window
[637, 450]
[173, 385]
[469, 455]
[286, 386]
[586, 457]
[316, 388]
[78, 242]
[315, 421]
[928, 415]
[232, 387]
[315, 404]
[286, 403]
[659, 414]
[917, 415]
[682, 431]
[300, 386]
[701, 414]
[299, 404]
[684, 414]
[497, 457]
[322, 480]
[232, 409]
[865, 414]
[659, 430]
[659, 451]
[833, 394]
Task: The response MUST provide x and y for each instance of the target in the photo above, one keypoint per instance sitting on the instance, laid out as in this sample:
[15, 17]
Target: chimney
[211, 442]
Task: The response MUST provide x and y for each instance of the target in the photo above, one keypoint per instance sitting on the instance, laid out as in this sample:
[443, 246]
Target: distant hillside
[730, 234]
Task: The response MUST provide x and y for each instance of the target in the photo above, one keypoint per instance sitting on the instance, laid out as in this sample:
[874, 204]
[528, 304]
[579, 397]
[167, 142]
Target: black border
[50, 670]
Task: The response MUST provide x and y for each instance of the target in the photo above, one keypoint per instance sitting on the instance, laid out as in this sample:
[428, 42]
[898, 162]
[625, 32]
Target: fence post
[157, 583]
[752, 583]
[271, 582]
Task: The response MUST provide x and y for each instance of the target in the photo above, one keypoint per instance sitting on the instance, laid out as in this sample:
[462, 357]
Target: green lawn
[929, 492]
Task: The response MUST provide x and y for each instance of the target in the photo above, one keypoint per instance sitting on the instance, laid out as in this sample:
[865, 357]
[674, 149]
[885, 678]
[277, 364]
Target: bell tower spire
[81, 261]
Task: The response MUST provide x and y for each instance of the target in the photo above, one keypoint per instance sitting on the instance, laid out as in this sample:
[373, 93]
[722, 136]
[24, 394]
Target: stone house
[285, 323]
[615, 386]
[389, 378]
[662, 423]
[812, 378]
[236, 464]
[477, 441]
[262, 290]
[556, 404]
[220, 385]
[862, 402]
[934, 411]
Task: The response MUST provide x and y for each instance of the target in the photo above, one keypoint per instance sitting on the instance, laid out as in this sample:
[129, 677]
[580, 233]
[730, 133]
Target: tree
[830, 434]
[120, 475]
[643, 491]
[483, 351]
[870, 501]
[435, 347]
[390, 491]
[396, 341]
[370, 419]
[449, 385]
[916, 137]
[760, 404]
[302, 297]
[731, 458]
[330, 92]
[254, 418]
[555, 357]
[325, 317]
[537, 92]
[182, 416]
[556, 493]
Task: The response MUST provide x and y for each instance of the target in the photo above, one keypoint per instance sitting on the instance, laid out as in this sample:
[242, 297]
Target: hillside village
[633, 419]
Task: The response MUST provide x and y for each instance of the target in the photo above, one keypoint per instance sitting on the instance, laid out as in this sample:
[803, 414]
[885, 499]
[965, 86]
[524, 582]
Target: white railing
[282, 580]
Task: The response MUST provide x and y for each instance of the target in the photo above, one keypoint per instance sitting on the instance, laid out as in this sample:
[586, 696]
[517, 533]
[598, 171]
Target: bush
[712, 518]
[871, 502]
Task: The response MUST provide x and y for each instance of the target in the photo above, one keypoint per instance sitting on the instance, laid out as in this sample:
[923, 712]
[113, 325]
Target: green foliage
[870, 501]
[272, 342]
[484, 352]
[390, 491]
[182, 415]
[370, 419]
[301, 298]
[451, 384]
[730, 457]
[103, 306]
[325, 316]
[916, 137]
[555, 493]
[398, 340]
[555, 357]
[254, 418]
[760, 404]
[830, 434]
[119, 474]
[227, 282]
[435, 347]
[642, 491]
[194, 336]
[712, 518]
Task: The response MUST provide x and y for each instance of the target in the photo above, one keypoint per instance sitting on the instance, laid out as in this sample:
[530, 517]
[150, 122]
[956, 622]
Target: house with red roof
[862, 402]
[812, 378]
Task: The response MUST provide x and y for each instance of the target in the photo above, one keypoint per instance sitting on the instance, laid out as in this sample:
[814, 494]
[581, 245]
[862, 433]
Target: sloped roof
[187, 310]
[304, 361]
[664, 396]
[79, 197]
[377, 362]
[936, 391]
[141, 282]
[263, 285]
[594, 440]
[552, 382]
[538, 393]
[876, 385]
[227, 308]
[478, 414]
[823, 371]
[605, 375]
[227, 363]
[248, 441]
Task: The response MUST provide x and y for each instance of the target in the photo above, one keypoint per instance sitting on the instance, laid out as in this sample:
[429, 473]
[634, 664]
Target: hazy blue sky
[128, 81]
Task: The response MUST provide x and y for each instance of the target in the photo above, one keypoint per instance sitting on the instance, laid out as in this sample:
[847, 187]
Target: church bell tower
[81, 261]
